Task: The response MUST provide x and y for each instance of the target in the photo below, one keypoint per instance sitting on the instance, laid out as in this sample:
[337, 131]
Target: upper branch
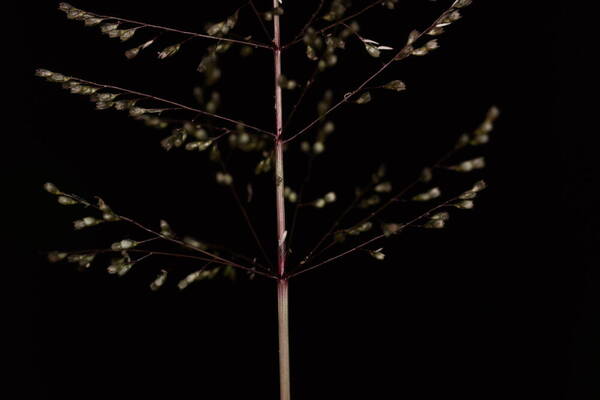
[308, 23]
[260, 20]
[178, 105]
[67, 7]
[298, 38]
[403, 53]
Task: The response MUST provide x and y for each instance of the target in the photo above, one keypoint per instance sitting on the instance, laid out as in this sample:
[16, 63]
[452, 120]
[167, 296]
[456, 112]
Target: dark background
[499, 305]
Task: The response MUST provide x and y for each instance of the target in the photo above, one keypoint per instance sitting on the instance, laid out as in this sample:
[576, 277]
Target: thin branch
[403, 53]
[181, 243]
[408, 187]
[192, 34]
[149, 253]
[397, 197]
[309, 83]
[251, 261]
[298, 39]
[300, 35]
[378, 237]
[262, 23]
[354, 32]
[337, 256]
[142, 258]
[300, 197]
[336, 223]
[141, 242]
[323, 250]
[247, 218]
[141, 251]
[222, 135]
[159, 234]
[307, 86]
[188, 246]
[178, 105]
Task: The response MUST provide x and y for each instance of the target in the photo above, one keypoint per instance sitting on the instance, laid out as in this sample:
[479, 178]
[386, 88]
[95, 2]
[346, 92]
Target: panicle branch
[165, 233]
[298, 39]
[435, 221]
[321, 47]
[260, 20]
[478, 137]
[308, 24]
[446, 18]
[121, 265]
[109, 100]
[371, 195]
[110, 26]
[247, 219]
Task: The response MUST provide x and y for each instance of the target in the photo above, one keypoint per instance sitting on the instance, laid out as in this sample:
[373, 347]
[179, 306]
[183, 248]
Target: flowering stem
[282, 283]
[284, 345]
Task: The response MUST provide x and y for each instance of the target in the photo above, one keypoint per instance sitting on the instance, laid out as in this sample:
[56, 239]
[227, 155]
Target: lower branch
[376, 238]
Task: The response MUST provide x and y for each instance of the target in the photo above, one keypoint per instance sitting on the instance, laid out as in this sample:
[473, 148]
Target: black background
[499, 305]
